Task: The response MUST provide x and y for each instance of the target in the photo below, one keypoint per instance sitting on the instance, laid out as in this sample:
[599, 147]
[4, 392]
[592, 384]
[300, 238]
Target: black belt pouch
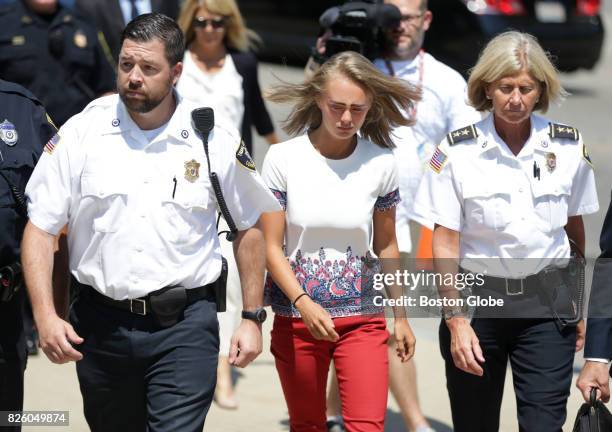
[168, 305]
[221, 287]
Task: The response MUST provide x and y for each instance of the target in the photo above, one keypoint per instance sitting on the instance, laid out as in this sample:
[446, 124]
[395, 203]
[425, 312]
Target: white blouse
[221, 90]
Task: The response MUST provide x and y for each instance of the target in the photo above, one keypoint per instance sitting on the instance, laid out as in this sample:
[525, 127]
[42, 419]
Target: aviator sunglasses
[216, 23]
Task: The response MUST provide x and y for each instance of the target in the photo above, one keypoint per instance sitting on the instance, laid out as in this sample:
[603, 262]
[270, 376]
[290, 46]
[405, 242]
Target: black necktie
[134, 11]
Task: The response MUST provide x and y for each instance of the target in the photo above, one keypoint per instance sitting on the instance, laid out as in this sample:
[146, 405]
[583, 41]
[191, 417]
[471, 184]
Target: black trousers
[13, 356]
[541, 358]
[135, 376]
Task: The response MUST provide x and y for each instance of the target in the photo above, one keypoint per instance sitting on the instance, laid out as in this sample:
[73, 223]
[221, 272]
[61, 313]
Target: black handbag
[593, 416]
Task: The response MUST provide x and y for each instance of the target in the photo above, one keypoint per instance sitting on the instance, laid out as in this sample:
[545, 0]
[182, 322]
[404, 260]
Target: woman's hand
[404, 339]
[465, 347]
[317, 320]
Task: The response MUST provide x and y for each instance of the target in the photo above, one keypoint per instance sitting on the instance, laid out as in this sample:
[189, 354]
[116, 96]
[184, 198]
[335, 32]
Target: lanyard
[413, 110]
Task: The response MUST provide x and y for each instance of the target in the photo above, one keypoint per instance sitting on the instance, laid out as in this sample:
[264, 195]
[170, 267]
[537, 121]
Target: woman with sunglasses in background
[219, 71]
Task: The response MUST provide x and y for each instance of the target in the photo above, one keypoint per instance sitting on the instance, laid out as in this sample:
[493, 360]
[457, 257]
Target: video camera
[358, 26]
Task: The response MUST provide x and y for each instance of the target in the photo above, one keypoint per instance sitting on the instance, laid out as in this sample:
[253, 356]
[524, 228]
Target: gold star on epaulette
[463, 134]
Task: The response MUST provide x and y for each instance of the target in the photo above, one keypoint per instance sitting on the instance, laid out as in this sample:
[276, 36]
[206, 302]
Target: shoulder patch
[51, 121]
[52, 143]
[437, 161]
[586, 156]
[463, 134]
[561, 131]
[244, 158]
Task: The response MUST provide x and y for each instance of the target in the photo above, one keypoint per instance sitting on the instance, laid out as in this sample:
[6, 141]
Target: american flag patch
[438, 160]
[50, 146]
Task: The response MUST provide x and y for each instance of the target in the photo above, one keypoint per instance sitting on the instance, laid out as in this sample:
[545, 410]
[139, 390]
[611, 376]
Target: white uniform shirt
[221, 90]
[443, 108]
[329, 207]
[140, 213]
[498, 204]
[410, 166]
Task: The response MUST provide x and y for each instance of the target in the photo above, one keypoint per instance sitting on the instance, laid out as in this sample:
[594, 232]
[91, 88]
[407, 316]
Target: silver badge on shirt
[8, 133]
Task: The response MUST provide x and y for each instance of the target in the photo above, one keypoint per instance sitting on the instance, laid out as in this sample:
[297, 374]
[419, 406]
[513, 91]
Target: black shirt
[24, 131]
[57, 57]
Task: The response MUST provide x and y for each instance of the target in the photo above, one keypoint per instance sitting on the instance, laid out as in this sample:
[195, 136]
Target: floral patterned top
[329, 206]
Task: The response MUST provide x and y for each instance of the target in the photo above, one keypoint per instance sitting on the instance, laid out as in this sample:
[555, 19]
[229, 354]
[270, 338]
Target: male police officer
[598, 343]
[56, 55]
[128, 175]
[24, 129]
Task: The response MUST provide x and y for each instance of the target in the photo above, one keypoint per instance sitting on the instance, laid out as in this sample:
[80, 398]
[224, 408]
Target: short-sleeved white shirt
[329, 206]
[443, 109]
[497, 202]
[141, 213]
[221, 90]
[410, 165]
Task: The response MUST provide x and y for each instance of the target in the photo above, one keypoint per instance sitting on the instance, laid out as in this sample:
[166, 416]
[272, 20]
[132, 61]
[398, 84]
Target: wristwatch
[258, 315]
[451, 312]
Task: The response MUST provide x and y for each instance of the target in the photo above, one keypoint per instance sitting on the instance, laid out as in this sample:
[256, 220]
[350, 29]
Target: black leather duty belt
[513, 287]
[142, 305]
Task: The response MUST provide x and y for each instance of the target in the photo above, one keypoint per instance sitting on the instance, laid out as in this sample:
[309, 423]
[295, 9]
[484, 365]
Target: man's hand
[594, 375]
[580, 334]
[247, 343]
[56, 337]
[404, 339]
[317, 320]
[465, 347]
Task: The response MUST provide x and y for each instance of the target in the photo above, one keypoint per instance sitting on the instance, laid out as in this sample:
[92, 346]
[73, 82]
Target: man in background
[111, 16]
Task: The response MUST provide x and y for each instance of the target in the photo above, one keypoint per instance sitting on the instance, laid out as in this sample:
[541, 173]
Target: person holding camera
[129, 177]
[507, 195]
[337, 184]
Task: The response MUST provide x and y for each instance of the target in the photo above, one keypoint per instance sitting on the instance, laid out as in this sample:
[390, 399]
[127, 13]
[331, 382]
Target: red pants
[360, 358]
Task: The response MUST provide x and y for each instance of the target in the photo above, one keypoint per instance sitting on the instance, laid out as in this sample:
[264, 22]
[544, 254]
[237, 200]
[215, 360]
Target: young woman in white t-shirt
[338, 190]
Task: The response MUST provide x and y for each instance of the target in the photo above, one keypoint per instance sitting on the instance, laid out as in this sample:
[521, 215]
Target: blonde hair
[506, 55]
[391, 98]
[237, 35]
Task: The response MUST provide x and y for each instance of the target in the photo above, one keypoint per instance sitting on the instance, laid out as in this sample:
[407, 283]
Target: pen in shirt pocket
[174, 188]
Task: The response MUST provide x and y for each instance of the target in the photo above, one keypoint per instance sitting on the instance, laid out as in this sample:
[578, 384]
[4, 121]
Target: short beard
[146, 105]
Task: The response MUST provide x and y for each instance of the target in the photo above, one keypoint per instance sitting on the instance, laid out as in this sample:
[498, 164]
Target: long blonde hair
[237, 35]
[391, 98]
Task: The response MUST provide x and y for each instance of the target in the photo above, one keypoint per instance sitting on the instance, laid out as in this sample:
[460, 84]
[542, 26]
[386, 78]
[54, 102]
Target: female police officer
[510, 187]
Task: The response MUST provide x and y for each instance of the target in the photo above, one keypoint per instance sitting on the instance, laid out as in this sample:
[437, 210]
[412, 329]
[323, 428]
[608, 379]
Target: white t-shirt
[222, 90]
[329, 206]
[508, 207]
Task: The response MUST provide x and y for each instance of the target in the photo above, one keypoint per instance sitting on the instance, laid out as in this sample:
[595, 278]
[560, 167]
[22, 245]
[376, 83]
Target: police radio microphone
[204, 122]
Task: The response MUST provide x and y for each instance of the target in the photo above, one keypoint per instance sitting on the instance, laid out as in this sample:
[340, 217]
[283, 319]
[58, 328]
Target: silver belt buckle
[510, 291]
[141, 309]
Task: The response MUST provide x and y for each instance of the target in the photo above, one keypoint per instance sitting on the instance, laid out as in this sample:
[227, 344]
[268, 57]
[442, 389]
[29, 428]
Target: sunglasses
[215, 23]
